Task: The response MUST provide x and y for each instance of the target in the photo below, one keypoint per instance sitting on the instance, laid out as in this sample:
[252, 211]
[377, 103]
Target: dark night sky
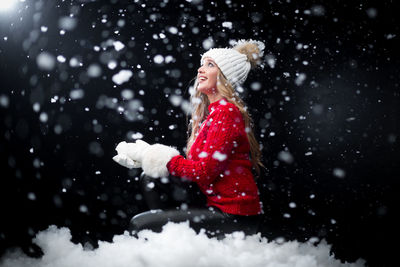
[325, 107]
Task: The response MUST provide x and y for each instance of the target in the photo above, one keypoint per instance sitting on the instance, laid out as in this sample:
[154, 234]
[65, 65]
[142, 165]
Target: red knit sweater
[219, 162]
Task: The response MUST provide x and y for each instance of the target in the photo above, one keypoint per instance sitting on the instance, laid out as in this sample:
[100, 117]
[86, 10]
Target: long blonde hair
[199, 112]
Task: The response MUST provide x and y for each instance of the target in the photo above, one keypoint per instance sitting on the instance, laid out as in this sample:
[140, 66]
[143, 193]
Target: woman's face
[207, 77]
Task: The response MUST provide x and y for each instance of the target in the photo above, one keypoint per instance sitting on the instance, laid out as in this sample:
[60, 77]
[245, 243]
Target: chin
[206, 89]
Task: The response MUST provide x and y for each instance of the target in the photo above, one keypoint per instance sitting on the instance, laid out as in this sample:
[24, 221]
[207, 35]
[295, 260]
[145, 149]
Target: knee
[151, 220]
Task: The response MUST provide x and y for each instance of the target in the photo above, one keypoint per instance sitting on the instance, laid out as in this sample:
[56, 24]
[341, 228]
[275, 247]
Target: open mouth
[202, 79]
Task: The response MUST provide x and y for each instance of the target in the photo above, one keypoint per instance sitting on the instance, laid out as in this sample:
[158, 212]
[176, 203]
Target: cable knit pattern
[219, 162]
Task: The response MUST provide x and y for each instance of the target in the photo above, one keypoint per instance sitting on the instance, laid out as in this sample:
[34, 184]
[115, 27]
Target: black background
[346, 113]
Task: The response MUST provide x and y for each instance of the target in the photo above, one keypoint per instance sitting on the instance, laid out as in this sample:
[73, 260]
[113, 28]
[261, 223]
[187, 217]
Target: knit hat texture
[236, 62]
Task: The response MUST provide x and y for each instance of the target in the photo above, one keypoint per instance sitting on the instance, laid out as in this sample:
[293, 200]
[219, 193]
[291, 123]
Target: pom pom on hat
[235, 63]
[254, 50]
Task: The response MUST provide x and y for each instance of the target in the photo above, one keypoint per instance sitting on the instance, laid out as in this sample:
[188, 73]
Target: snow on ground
[177, 245]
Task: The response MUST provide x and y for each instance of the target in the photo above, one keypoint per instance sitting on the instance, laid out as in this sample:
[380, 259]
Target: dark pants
[176, 200]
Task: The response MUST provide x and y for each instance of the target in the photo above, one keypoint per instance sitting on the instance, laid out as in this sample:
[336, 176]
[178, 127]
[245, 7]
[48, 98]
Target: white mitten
[155, 160]
[125, 161]
[135, 151]
[152, 158]
[130, 155]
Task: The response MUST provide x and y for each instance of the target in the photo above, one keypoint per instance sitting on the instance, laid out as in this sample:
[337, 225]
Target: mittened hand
[130, 155]
[135, 151]
[125, 161]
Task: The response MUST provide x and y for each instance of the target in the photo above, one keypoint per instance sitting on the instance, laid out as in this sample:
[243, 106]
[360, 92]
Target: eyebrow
[209, 60]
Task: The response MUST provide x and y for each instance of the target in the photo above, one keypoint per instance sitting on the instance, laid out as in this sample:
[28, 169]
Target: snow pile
[177, 245]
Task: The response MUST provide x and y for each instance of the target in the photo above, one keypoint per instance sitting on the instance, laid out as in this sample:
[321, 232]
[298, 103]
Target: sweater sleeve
[213, 159]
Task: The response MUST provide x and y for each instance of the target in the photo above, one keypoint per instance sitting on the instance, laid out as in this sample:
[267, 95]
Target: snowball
[74, 62]
[45, 61]
[122, 76]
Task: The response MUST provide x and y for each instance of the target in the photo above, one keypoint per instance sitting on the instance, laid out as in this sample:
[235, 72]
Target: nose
[200, 70]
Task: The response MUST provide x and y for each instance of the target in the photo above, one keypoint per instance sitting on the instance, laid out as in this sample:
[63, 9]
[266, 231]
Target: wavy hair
[199, 113]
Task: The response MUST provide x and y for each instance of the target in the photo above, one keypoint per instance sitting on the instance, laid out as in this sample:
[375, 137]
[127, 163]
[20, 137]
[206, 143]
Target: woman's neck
[214, 97]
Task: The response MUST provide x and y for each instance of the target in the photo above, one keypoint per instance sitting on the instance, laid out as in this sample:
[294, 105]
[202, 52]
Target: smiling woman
[222, 153]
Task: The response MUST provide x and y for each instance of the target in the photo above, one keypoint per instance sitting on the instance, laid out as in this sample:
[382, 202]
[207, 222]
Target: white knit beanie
[236, 62]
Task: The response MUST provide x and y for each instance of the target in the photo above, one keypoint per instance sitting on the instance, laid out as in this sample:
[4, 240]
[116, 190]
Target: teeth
[202, 79]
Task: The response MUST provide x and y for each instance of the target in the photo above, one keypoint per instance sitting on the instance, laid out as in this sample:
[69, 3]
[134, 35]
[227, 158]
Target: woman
[221, 150]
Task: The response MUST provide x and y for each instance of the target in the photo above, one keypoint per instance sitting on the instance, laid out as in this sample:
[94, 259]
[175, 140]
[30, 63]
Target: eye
[210, 64]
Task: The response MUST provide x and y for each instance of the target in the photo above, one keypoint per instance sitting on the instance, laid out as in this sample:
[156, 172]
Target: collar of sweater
[215, 104]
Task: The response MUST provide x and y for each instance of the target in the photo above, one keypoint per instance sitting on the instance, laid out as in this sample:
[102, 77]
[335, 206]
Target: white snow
[271, 61]
[219, 156]
[4, 101]
[372, 12]
[339, 173]
[94, 70]
[67, 23]
[61, 58]
[177, 245]
[285, 156]
[175, 100]
[43, 117]
[127, 94]
[112, 64]
[203, 154]
[227, 24]
[301, 77]
[122, 76]
[76, 94]
[45, 61]
[158, 59]
[208, 43]
[118, 45]
[173, 30]
[74, 62]
[256, 86]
